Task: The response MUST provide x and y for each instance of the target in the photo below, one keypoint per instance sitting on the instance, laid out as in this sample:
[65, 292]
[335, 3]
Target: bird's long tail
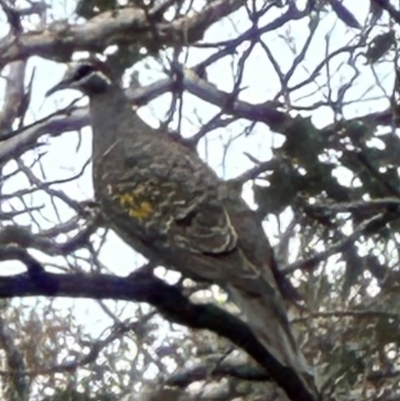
[263, 308]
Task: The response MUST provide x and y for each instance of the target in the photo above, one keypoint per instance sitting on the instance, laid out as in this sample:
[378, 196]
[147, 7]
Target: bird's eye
[83, 71]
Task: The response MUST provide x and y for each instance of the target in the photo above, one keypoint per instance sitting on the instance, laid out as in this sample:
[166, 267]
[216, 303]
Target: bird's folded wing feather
[178, 201]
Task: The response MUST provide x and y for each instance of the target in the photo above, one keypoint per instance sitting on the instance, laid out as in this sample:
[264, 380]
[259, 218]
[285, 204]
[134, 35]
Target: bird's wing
[176, 199]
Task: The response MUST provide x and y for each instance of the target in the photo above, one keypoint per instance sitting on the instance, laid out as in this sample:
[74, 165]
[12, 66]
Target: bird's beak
[60, 86]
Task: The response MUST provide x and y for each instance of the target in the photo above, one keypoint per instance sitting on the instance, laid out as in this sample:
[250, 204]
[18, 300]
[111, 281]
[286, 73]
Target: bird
[168, 204]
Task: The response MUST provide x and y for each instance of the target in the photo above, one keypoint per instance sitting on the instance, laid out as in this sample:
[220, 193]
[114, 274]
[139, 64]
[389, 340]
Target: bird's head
[90, 77]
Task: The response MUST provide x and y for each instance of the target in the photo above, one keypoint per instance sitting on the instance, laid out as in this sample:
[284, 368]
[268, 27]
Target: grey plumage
[169, 205]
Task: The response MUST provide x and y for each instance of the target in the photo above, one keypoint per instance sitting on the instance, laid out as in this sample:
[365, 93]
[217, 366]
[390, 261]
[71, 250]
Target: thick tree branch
[124, 26]
[14, 98]
[386, 5]
[185, 377]
[16, 143]
[171, 303]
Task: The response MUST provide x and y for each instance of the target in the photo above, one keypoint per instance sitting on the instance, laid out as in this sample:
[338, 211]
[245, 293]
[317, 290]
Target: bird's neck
[111, 118]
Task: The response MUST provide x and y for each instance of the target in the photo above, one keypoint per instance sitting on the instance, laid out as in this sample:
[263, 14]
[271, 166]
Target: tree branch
[185, 377]
[385, 4]
[125, 26]
[14, 144]
[171, 303]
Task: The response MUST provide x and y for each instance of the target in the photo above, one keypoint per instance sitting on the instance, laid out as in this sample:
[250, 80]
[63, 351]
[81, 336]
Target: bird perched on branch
[169, 205]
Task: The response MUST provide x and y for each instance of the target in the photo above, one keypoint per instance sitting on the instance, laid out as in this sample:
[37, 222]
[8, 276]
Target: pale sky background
[64, 158]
